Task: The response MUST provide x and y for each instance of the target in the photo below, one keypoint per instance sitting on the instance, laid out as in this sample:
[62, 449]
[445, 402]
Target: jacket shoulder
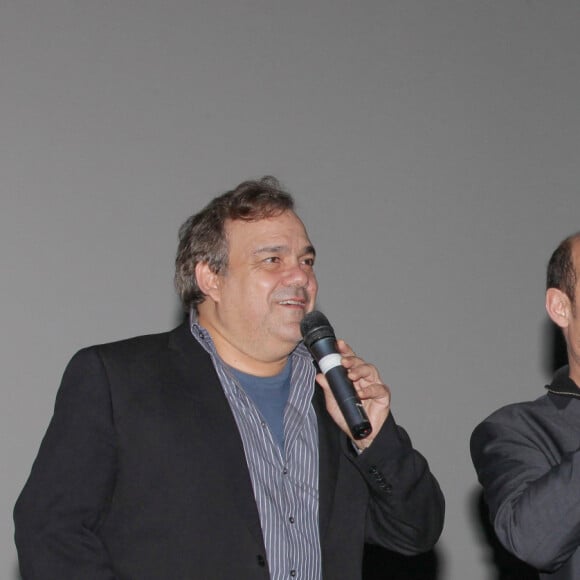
[140, 358]
[522, 409]
[515, 417]
[141, 346]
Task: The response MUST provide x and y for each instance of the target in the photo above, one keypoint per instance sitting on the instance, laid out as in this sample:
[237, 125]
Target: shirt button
[292, 573]
[291, 519]
[285, 471]
[263, 424]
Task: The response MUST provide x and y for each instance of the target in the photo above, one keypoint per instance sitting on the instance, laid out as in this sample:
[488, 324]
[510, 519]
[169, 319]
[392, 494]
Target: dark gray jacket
[527, 458]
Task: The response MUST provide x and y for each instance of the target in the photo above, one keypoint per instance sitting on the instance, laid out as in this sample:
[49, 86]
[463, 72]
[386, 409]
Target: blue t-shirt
[270, 395]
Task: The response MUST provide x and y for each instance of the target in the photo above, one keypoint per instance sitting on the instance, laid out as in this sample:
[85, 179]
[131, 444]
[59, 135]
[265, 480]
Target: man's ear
[558, 307]
[207, 280]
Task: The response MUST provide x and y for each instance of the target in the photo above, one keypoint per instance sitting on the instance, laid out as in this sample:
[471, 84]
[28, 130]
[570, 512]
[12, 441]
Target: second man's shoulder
[524, 418]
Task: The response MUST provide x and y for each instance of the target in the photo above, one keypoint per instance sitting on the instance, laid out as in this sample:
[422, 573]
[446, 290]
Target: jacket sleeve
[533, 496]
[65, 499]
[406, 506]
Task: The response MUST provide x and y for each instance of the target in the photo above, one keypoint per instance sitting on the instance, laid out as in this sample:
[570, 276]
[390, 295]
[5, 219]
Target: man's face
[267, 288]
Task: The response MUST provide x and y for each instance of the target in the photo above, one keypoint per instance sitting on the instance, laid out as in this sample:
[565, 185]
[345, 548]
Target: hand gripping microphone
[320, 340]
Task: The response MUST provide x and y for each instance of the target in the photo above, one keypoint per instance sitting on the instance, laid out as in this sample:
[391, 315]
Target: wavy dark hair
[561, 273]
[202, 238]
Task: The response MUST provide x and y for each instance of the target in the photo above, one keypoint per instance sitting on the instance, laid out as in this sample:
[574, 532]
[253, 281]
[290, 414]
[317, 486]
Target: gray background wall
[432, 147]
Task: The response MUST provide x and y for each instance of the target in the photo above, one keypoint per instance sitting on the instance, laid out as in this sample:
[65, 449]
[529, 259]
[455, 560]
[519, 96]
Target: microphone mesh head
[315, 326]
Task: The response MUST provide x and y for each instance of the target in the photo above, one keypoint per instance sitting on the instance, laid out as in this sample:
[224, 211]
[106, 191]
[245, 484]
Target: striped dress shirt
[285, 482]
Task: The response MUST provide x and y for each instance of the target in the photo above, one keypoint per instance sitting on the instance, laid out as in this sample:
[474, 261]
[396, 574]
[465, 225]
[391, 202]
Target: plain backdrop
[432, 147]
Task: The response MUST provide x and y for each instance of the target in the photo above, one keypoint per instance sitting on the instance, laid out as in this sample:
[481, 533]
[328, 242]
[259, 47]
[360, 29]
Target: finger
[358, 369]
[349, 357]
[322, 380]
[344, 348]
[374, 391]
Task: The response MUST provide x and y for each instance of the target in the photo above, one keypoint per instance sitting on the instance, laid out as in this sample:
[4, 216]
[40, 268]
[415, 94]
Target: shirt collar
[204, 338]
[562, 384]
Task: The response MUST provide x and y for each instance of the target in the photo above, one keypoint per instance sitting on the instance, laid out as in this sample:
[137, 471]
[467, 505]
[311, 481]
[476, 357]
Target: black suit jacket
[142, 476]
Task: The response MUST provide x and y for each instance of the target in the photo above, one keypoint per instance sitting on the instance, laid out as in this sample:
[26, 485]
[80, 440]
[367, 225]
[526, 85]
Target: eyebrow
[284, 249]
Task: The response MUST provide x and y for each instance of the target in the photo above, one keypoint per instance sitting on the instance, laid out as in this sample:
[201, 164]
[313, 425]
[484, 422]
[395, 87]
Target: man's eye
[272, 260]
[308, 262]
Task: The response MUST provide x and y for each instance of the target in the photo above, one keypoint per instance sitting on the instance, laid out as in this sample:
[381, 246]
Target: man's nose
[297, 275]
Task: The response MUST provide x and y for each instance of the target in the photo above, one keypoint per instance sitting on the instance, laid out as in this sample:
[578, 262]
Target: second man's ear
[558, 307]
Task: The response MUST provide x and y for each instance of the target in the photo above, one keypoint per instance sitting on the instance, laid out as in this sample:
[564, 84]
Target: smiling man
[254, 309]
[208, 452]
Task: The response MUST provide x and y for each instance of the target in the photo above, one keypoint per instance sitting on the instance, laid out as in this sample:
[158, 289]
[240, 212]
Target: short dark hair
[202, 238]
[561, 273]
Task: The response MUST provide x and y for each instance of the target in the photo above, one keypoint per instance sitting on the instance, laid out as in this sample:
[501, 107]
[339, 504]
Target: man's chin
[291, 336]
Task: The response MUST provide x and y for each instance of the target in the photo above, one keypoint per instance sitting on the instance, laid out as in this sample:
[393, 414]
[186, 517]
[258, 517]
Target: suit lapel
[193, 371]
[329, 450]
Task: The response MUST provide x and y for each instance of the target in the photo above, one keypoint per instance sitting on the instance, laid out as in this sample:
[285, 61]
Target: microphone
[320, 340]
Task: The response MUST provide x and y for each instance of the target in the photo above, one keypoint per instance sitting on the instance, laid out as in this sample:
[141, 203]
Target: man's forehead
[278, 226]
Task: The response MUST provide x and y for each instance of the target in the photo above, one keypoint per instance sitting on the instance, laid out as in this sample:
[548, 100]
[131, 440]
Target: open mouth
[293, 302]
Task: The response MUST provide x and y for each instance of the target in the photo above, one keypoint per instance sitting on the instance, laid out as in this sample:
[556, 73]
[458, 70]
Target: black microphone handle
[349, 402]
[325, 350]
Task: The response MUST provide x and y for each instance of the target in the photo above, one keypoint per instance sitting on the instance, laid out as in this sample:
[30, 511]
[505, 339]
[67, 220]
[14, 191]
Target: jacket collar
[562, 384]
